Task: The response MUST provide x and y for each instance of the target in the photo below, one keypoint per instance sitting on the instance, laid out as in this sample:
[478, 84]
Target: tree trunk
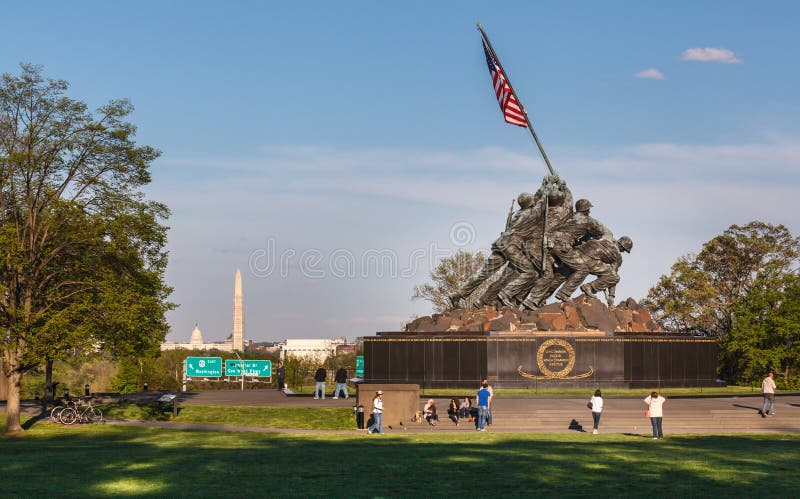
[3, 385]
[49, 389]
[12, 405]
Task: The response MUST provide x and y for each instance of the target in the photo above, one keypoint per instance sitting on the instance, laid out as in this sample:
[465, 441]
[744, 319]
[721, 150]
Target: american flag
[511, 109]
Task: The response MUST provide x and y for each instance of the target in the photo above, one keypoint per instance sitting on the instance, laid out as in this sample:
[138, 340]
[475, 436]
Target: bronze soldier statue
[558, 208]
[506, 249]
[599, 257]
[525, 231]
[562, 244]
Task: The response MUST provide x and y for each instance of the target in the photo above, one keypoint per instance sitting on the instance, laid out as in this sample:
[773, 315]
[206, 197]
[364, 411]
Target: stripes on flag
[512, 111]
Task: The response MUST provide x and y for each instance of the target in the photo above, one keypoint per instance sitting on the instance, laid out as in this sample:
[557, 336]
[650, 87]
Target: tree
[449, 276]
[766, 331]
[701, 290]
[740, 289]
[83, 261]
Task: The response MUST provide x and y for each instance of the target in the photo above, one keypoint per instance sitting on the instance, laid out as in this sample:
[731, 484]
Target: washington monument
[238, 313]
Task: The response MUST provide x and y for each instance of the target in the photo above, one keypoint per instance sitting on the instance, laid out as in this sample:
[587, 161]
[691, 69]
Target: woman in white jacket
[654, 403]
[597, 408]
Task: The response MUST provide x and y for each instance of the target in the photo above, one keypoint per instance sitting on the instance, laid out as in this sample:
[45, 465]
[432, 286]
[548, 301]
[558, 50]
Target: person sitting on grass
[452, 411]
[430, 413]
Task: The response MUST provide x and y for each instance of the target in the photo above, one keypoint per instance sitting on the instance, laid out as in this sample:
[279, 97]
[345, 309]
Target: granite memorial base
[545, 359]
[400, 401]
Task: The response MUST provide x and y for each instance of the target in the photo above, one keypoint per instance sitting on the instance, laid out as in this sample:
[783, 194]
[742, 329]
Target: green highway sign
[203, 367]
[252, 368]
[359, 366]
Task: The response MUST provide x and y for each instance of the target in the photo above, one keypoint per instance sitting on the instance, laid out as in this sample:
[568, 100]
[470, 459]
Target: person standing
[377, 413]
[281, 376]
[485, 383]
[597, 408]
[320, 377]
[768, 389]
[341, 383]
[484, 400]
[654, 402]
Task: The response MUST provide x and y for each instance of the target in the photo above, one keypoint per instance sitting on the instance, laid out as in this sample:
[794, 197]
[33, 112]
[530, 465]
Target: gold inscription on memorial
[555, 359]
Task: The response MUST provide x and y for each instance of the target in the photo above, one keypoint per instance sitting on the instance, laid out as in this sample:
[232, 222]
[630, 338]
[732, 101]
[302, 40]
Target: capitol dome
[196, 339]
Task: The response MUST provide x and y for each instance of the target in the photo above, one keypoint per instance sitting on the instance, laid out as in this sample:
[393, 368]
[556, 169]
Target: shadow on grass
[104, 460]
[43, 415]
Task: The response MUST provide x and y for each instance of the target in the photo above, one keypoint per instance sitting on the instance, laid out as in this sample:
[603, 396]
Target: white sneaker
[316, 398]
[335, 398]
[594, 432]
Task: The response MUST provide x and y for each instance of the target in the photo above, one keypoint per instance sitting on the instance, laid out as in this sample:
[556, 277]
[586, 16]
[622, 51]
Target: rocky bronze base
[584, 313]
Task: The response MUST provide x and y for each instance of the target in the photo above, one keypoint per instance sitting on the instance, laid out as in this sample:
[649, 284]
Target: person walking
[341, 383]
[655, 412]
[281, 376]
[377, 413]
[768, 389]
[596, 403]
[320, 377]
[484, 400]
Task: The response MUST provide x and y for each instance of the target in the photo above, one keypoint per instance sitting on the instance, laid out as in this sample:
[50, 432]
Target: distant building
[264, 346]
[196, 343]
[349, 348]
[317, 349]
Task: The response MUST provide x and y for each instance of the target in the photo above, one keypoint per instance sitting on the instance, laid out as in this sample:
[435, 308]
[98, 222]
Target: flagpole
[508, 81]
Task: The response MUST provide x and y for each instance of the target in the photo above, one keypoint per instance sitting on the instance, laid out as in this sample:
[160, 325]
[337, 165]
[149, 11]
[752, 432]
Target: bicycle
[55, 412]
[81, 413]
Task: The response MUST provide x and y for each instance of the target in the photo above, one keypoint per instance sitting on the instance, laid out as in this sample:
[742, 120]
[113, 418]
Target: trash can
[360, 418]
[86, 389]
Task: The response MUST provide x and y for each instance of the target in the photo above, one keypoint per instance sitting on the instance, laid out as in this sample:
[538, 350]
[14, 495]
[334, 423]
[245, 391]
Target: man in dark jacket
[281, 376]
[341, 383]
[320, 377]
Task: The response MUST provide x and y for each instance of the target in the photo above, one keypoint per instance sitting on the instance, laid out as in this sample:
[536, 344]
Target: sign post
[359, 366]
[252, 368]
[203, 367]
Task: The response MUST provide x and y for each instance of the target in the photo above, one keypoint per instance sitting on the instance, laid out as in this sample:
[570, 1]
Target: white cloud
[652, 74]
[710, 54]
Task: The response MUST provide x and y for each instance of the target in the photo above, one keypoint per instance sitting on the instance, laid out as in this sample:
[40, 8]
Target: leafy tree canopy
[83, 260]
[448, 278]
[700, 292]
[742, 288]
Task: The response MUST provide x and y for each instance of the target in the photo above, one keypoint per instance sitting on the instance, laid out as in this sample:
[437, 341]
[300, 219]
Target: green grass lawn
[104, 459]
[340, 418]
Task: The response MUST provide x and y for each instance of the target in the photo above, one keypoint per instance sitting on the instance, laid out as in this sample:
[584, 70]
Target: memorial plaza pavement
[698, 415]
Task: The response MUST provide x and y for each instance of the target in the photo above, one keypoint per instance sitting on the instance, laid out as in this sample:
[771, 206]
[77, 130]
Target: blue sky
[356, 141]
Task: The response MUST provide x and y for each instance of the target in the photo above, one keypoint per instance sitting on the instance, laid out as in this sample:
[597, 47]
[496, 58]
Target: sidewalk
[708, 415]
